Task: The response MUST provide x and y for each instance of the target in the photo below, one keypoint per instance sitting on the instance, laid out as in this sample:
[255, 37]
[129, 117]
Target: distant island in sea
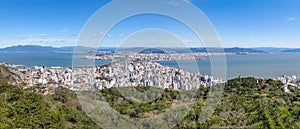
[70, 49]
[261, 62]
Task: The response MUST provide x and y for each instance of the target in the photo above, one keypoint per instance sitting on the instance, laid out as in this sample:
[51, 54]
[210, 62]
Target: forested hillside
[245, 103]
[27, 109]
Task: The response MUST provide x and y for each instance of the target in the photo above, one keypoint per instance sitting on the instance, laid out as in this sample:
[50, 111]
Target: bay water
[267, 65]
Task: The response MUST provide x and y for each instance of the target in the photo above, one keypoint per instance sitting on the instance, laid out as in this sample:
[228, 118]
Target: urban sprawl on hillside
[121, 74]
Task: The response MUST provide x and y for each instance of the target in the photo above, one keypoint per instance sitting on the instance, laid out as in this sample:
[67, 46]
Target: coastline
[119, 75]
[270, 65]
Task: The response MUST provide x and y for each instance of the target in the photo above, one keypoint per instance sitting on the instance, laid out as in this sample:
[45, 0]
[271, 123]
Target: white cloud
[290, 19]
[64, 30]
[23, 36]
[188, 41]
[43, 35]
[102, 33]
[71, 35]
[173, 3]
[176, 3]
[187, 1]
[44, 39]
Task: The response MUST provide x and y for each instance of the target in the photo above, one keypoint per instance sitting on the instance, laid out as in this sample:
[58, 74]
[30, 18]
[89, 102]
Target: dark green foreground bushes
[244, 104]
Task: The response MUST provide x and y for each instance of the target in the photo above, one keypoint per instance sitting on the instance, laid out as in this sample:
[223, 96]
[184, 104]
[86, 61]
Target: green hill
[245, 103]
[26, 109]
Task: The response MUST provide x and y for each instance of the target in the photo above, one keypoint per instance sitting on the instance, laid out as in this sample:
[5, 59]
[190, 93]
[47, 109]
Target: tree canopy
[245, 103]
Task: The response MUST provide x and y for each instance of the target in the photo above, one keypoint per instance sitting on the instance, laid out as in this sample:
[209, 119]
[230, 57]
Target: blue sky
[240, 23]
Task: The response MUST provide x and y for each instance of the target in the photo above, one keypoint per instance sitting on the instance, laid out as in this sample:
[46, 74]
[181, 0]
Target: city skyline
[249, 23]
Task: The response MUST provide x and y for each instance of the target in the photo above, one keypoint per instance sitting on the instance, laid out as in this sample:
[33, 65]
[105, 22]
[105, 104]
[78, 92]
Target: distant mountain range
[70, 49]
[29, 48]
[235, 49]
[41, 49]
[292, 50]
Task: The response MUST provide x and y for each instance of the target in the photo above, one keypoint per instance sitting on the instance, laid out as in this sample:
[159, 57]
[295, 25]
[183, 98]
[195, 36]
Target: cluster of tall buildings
[151, 56]
[48, 77]
[123, 74]
[290, 81]
[141, 73]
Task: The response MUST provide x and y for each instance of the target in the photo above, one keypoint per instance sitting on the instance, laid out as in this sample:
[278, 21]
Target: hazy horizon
[148, 47]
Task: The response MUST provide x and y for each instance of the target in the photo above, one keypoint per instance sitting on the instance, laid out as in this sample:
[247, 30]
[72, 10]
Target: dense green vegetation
[5, 75]
[26, 109]
[245, 103]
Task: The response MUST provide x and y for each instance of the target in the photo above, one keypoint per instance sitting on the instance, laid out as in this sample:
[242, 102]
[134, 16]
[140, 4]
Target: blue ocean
[269, 65]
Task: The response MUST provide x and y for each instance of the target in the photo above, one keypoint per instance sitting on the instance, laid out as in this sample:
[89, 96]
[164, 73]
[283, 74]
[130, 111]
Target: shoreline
[270, 65]
[113, 75]
[122, 75]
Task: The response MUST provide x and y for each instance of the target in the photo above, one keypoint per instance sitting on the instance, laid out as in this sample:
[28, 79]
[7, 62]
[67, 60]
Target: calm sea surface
[42, 59]
[260, 65]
